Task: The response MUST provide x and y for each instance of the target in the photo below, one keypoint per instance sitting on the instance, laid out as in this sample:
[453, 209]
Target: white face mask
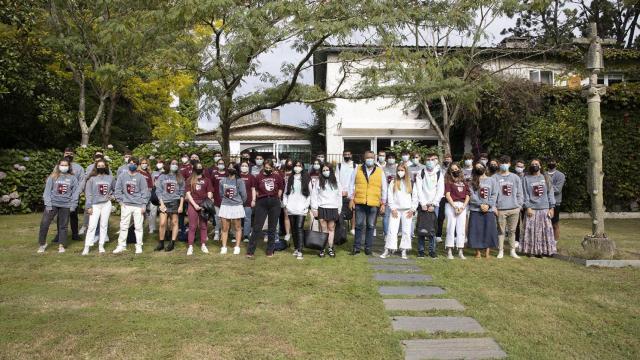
[401, 174]
[174, 167]
[468, 163]
[316, 166]
[144, 166]
[381, 158]
[221, 167]
[244, 169]
[126, 159]
[159, 166]
[185, 160]
[63, 169]
[405, 158]
[321, 158]
[216, 158]
[259, 162]
[297, 169]
[519, 169]
[391, 161]
[326, 173]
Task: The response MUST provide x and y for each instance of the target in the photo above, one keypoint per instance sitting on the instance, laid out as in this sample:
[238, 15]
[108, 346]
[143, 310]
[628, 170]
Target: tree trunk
[446, 143]
[595, 158]
[225, 132]
[106, 129]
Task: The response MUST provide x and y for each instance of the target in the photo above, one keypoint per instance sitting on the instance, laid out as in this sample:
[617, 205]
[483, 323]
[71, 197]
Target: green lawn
[625, 233]
[225, 307]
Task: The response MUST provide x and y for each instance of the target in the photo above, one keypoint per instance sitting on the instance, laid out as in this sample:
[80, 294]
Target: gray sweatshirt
[98, 190]
[557, 180]
[487, 193]
[232, 192]
[537, 195]
[62, 192]
[132, 190]
[168, 188]
[509, 188]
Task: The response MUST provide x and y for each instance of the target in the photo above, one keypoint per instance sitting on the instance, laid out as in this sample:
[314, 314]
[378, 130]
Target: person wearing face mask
[402, 200]
[430, 185]
[484, 159]
[405, 157]
[344, 172]
[483, 231]
[170, 189]
[508, 205]
[250, 186]
[285, 171]
[78, 171]
[381, 160]
[98, 155]
[315, 172]
[326, 203]
[216, 175]
[389, 169]
[537, 238]
[61, 193]
[520, 168]
[416, 167]
[144, 171]
[447, 160]
[557, 180]
[233, 195]
[368, 194]
[98, 190]
[257, 169]
[321, 158]
[124, 168]
[198, 189]
[266, 203]
[456, 190]
[297, 199]
[520, 172]
[132, 193]
[153, 209]
[467, 166]
[493, 167]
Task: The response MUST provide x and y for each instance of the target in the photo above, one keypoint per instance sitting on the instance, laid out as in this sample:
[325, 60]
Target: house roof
[273, 132]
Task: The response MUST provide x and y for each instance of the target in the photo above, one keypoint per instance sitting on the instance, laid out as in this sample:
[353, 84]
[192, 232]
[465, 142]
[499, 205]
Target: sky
[298, 114]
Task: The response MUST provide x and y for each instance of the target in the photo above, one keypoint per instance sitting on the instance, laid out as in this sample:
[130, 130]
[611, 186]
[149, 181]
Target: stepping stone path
[404, 271]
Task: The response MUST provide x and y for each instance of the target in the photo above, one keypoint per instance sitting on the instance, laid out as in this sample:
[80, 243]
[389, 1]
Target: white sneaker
[216, 236]
[85, 251]
[404, 254]
[266, 238]
[190, 250]
[233, 240]
[449, 254]
[42, 248]
[119, 249]
[236, 250]
[375, 232]
[353, 231]
[296, 252]
[246, 240]
[61, 249]
[287, 237]
[101, 249]
[138, 249]
[204, 249]
[299, 257]
[82, 230]
[513, 254]
[461, 255]
[151, 231]
[439, 239]
[385, 254]
[500, 254]
[223, 250]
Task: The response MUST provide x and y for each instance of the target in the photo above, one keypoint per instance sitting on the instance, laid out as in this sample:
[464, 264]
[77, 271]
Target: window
[541, 76]
[610, 79]
[383, 144]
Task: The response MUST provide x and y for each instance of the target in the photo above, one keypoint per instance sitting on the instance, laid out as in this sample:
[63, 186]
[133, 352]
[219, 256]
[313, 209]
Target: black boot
[160, 246]
[171, 245]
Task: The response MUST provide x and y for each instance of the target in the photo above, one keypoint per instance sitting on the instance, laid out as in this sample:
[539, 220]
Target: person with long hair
[233, 194]
[402, 200]
[538, 238]
[153, 209]
[297, 199]
[266, 202]
[286, 170]
[197, 190]
[326, 204]
[132, 194]
[61, 193]
[483, 233]
[170, 191]
[456, 190]
[216, 174]
[315, 172]
[98, 191]
[250, 186]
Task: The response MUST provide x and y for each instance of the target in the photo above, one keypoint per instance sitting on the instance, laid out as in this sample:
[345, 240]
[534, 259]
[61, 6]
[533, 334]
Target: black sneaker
[420, 254]
[433, 255]
[367, 252]
[354, 252]
[160, 246]
[331, 252]
[170, 247]
[321, 254]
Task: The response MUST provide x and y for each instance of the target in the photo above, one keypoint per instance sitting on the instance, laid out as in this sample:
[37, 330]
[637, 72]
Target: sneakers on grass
[204, 249]
[42, 248]
[85, 251]
[138, 249]
[119, 249]
[61, 249]
[190, 250]
[236, 250]
[223, 250]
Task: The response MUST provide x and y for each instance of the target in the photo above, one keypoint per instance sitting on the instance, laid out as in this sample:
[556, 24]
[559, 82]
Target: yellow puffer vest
[368, 192]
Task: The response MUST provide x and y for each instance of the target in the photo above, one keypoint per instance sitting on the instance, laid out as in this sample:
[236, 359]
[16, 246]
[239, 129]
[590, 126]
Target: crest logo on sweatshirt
[507, 189]
[170, 187]
[63, 188]
[390, 178]
[131, 188]
[269, 184]
[103, 189]
[484, 192]
[537, 189]
[229, 192]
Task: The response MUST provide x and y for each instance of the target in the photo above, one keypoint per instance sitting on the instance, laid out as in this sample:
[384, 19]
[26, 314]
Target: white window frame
[537, 78]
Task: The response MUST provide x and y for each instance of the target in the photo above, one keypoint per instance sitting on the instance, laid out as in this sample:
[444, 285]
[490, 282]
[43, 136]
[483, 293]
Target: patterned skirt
[537, 234]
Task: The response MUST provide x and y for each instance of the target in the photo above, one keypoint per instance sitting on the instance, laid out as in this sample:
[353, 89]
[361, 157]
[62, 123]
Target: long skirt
[483, 232]
[537, 234]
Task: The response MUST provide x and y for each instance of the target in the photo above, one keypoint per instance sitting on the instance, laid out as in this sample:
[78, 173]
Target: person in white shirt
[389, 169]
[430, 184]
[297, 199]
[326, 204]
[402, 200]
[344, 173]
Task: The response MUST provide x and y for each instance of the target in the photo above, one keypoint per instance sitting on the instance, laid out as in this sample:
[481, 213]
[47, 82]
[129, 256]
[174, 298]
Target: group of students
[482, 201]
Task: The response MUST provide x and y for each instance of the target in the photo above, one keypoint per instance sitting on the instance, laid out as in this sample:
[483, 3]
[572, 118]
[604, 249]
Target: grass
[625, 233]
[224, 307]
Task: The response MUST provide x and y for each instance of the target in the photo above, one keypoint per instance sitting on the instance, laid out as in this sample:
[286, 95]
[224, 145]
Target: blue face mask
[369, 162]
[430, 165]
[415, 161]
[133, 167]
[504, 167]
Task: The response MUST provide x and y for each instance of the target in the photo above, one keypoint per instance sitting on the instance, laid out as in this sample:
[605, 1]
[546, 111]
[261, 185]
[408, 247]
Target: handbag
[340, 235]
[346, 214]
[154, 197]
[315, 240]
[426, 222]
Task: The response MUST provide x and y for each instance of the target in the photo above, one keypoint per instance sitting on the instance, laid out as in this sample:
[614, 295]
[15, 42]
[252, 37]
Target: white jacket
[329, 198]
[430, 188]
[401, 199]
[296, 203]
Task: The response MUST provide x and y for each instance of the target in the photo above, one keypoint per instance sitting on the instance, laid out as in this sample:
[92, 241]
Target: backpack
[422, 174]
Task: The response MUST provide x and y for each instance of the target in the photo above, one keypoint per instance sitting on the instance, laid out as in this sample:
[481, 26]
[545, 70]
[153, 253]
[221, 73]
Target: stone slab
[391, 260]
[398, 268]
[422, 304]
[433, 324]
[402, 277]
[410, 290]
[473, 348]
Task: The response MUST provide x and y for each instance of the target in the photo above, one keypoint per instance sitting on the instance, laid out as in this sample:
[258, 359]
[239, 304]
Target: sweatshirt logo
[131, 188]
[199, 185]
[507, 189]
[538, 189]
[103, 189]
[63, 188]
[229, 192]
[484, 192]
[390, 178]
[170, 187]
[269, 184]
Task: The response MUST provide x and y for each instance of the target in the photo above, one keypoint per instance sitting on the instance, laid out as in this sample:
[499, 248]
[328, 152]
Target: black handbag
[340, 236]
[346, 213]
[315, 240]
[426, 222]
[154, 197]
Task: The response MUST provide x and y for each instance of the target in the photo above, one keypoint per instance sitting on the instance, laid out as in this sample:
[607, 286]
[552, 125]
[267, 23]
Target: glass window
[546, 77]
[614, 79]
[534, 75]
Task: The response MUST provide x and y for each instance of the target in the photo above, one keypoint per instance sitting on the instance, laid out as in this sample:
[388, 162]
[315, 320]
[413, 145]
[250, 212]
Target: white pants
[456, 224]
[126, 212]
[391, 241]
[153, 217]
[100, 215]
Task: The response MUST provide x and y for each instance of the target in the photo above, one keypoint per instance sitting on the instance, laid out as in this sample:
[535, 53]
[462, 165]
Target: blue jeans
[432, 237]
[365, 222]
[385, 222]
[246, 231]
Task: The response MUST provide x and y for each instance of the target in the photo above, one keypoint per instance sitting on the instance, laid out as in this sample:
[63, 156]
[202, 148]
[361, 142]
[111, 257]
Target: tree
[617, 19]
[547, 22]
[238, 33]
